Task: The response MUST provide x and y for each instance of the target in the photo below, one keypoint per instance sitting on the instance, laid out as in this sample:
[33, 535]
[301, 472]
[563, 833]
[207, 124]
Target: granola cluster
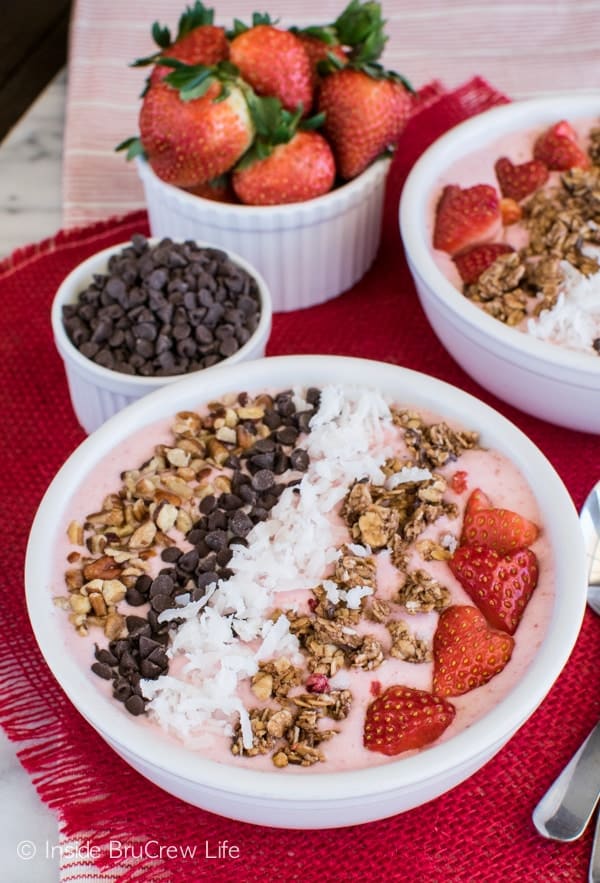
[560, 221]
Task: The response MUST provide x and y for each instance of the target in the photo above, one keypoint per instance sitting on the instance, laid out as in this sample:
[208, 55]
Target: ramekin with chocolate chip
[142, 314]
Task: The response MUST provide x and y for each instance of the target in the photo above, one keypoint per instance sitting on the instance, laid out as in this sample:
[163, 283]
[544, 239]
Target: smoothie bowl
[499, 220]
[264, 588]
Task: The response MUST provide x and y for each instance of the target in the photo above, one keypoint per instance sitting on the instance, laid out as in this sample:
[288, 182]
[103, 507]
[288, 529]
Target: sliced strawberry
[466, 651]
[472, 262]
[477, 500]
[466, 217]
[404, 719]
[500, 529]
[518, 181]
[558, 148]
[500, 585]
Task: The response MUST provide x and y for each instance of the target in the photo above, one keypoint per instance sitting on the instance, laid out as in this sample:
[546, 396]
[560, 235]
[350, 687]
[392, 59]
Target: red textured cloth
[480, 831]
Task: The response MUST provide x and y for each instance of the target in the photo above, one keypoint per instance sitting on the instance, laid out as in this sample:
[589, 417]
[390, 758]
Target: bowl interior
[403, 386]
[416, 211]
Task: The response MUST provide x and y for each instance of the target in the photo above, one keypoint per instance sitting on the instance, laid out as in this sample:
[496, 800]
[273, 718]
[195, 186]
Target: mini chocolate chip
[137, 625]
[217, 521]
[208, 504]
[135, 705]
[160, 603]
[171, 554]
[122, 689]
[189, 561]
[195, 536]
[149, 670]
[102, 670]
[127, 664]
[240, 524]
[263, 480]
[224, 556]
[263, 445]
[146, 646]
[134, 598]
[230, 501]
[159, 657]
[206, 579]
[259, 514]
[272, 419]
[105, 656]
[299, 459]
[162, 585]
[248, 494]
[143, 583]
[287, 435]
[216, 539]
[207, 563]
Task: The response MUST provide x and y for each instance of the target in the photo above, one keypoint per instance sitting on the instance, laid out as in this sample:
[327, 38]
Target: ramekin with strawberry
[228, 113]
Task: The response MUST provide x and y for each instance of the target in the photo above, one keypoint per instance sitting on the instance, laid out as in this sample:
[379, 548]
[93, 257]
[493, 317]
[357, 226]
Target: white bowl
[97, 392]
[308, 252]
[315, 800]
[542, 379]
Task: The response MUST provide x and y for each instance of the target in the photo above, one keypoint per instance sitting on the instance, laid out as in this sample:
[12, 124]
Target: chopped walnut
[422, 594]
[405, 645]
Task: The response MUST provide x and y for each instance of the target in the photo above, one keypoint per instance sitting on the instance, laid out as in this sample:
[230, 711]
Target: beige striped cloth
[522, 48]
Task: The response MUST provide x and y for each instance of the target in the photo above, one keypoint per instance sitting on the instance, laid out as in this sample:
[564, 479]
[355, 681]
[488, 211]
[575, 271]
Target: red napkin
[481, 830]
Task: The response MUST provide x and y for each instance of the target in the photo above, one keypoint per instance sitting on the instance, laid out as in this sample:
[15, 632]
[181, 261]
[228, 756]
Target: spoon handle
[594, 872]
[566, 808]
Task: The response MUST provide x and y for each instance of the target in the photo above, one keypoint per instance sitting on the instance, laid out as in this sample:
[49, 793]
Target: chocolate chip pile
[259, 474]
[164, 309]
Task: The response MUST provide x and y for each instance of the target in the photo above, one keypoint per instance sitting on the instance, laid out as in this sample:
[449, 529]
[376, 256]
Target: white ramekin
[308, 252]
[97, 392]
[545, 380]
[314, 800]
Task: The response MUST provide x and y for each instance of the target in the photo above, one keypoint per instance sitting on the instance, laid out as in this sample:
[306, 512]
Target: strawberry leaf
[133, 146]
[161, 36]
[327, 34]
[194, 17]
[360, 26]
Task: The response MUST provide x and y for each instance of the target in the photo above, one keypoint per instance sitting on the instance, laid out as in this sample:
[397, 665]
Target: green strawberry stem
[133, 146]
[240, 27]
[194, 17]
[360, 26]
[193, 80]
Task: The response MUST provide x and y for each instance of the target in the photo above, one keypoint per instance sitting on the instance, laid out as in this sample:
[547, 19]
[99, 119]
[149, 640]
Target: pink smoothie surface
[487, 469]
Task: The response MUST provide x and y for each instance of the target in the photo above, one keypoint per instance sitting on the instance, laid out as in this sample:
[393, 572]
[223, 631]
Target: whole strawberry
[194, 125]
[467, 653]
[274, 62]
[364, 116]
[500, 585]
[405, 719]
[295, 171]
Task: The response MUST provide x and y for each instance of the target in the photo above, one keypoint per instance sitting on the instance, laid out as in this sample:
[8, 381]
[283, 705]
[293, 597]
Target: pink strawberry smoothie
[210, 736]
[574, 322]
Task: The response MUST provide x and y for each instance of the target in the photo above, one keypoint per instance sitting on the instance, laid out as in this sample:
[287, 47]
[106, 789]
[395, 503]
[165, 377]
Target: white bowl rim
[420, 390]
[500, 120]
[71, 285]
[377, 167]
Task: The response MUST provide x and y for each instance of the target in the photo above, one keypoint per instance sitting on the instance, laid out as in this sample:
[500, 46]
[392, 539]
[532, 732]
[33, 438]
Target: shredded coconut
[574, 321]
[348, 440]
[405, 475]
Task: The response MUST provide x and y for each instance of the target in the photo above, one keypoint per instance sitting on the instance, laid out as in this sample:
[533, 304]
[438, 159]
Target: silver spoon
[565, 810]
